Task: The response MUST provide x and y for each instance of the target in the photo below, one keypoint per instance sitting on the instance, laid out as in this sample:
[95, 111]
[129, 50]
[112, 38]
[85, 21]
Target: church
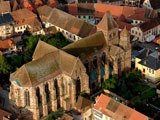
[55, 78]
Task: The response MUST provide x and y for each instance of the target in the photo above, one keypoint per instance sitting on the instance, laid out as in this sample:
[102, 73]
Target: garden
[131, 87]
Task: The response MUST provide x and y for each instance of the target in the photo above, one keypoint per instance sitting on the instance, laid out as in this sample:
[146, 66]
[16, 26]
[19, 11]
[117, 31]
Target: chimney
[147, 53]
[157, 57]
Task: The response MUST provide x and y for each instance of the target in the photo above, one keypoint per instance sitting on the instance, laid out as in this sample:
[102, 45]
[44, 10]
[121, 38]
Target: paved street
[150, 45]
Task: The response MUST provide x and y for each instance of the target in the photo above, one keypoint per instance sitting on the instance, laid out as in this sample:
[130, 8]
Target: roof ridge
[60, 59]
[27, 74]
[50, 14]
[74, 65]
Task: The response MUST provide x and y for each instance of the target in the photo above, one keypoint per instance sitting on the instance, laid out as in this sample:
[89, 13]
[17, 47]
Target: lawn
[149, 94]
[156, 103]
[140, 87]
[137, 89]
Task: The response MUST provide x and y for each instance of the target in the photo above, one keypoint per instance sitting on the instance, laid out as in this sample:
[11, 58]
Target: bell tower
[125, 39]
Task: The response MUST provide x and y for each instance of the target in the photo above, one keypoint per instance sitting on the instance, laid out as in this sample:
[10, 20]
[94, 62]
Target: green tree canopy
[110, 83]
[5, 68]
[57, 40]
[132, 76]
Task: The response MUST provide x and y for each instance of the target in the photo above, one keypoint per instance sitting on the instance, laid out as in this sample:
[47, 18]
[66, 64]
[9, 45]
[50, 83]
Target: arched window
[47, 92]
[86, 64]
[78, 87]
[95, 61]
[103, 58]
[27, 98]
[56, 88]
[38, 96]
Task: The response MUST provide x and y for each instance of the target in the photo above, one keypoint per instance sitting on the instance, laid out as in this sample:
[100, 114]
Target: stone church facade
[53, 79]
[104, 53]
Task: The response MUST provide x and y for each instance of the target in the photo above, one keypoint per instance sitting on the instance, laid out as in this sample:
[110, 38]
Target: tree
[110, 83]
[58, 40]
[132, 76]
[123, 86]
[5, 70]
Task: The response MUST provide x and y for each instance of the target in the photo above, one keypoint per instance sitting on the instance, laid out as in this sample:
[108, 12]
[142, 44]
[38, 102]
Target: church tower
[125, 39]
[110, 29]
[126, 45]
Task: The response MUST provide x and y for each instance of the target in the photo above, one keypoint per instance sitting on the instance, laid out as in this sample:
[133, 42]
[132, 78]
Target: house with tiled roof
[84, 108]
[108, 108]
[93, 13]
[66, 117]
[146, 31]
[26, 4]
[148, 62]
[25, 19]
[132, 3]
[14, 5]
[71, 27]
[152, 4]
[7, 46]
[4, 115]
[5, 7]
[52, 3]
[6, 25]
[113, 2]
[84, 1]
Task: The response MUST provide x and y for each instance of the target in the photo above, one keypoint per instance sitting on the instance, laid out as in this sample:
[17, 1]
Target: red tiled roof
[3, 114]
[5, 44]
[149, 25]
[102, 8]
[98, 10]
[122, 25]
[52, 3]
[116, 110]
[26, 4]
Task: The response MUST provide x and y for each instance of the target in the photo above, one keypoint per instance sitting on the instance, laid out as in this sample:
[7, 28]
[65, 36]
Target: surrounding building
[53, 79]
[4, 99]
[5, 7]
[71, 27]
[146, 31]
[148, 62]
[152, 4]
[25, 19]
[132, 2]
[66, 117]
[84, 1]
[124, 15]
[4, 115]
[113, 2]
[107, 108]
[4, 105]
[52, 3]
[7, 46]
[6, 25]
[84, 109]
[26, 4]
